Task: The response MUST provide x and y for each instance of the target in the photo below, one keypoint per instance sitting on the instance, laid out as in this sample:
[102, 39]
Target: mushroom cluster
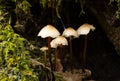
[50, 31]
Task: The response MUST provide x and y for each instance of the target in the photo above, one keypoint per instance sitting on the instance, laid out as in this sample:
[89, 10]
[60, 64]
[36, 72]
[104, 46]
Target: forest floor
[76, 75]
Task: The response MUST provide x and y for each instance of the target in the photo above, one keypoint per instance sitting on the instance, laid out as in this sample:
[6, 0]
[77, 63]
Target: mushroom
[70, 32]
[84, 30]
[59, 41]
[44, 49]
[49, 32]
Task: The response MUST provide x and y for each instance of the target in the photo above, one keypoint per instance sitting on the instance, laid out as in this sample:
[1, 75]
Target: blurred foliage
[15, 63]
[58, 77]
[57, 3]
[14, 54]
[118, 7]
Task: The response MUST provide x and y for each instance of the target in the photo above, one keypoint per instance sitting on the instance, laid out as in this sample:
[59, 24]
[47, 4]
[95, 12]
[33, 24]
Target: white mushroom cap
[85, 29]
[44, 48]
[48, 31]
[60, 40]
[70, 32]
[53, 44]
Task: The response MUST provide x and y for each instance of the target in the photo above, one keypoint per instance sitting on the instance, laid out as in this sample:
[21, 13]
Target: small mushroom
[49, 32]
[44, 49]
[84, 30]
[70, 32]
[59, 41]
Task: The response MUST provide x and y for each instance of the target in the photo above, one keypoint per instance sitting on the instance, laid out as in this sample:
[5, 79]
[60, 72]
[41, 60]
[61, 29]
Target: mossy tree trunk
[108, 22]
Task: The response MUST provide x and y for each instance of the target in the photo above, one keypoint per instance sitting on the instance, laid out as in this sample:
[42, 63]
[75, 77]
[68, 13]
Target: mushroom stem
[55, 58]
[45, 60]
[58, 64]
[49, 53]
[71, 58]
[84, 53]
